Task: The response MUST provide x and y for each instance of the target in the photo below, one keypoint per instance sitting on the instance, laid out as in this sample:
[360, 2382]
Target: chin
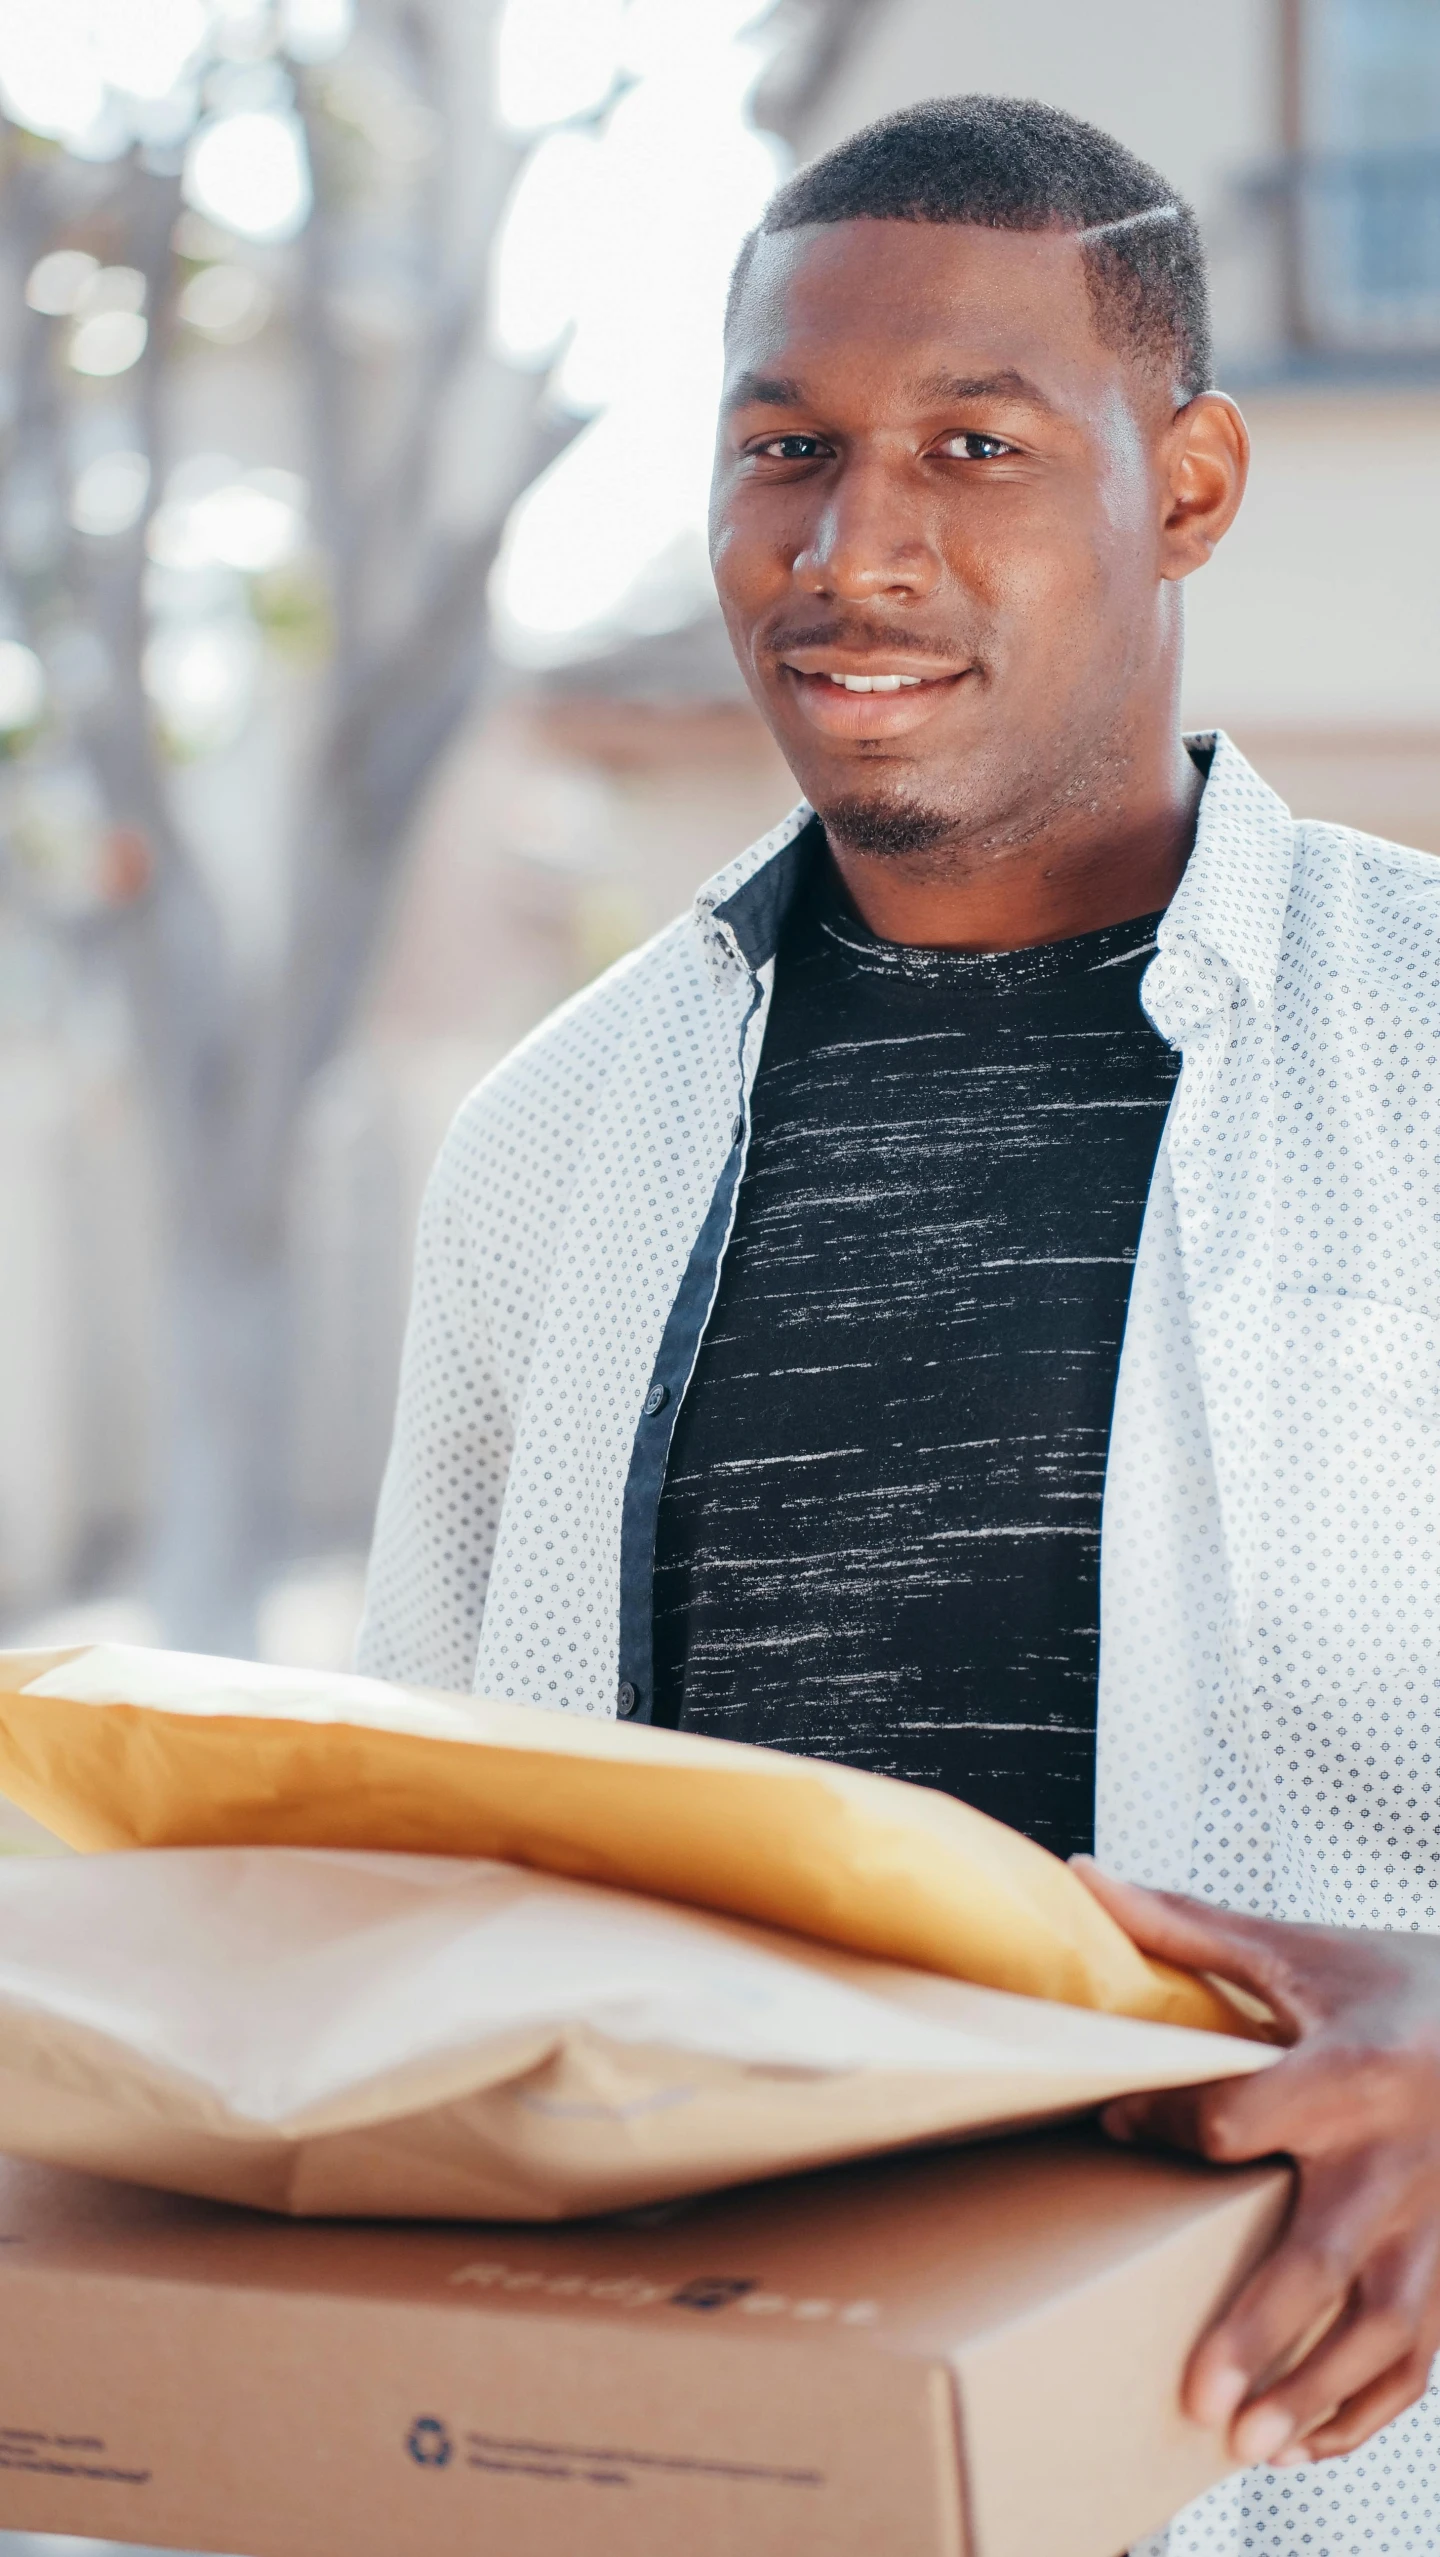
[885, 824]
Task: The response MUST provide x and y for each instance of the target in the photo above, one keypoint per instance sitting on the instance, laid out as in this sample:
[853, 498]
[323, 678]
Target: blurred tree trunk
[228, 1065]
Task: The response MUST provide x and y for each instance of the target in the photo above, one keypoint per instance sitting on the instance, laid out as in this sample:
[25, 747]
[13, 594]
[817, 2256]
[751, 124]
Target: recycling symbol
[428, 2442]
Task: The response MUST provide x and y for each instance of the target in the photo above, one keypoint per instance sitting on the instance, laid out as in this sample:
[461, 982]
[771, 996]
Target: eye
[789, 448]
[974, 447]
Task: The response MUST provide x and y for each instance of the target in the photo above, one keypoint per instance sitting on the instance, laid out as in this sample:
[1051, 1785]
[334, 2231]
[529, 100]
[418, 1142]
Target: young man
[765, 1362]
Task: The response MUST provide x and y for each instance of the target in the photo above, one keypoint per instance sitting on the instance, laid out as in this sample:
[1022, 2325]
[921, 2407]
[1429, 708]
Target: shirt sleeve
[440, 1500]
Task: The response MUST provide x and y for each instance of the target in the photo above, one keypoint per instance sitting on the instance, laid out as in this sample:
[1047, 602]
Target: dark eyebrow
[777, 390]
[763, 390]
[984, 386]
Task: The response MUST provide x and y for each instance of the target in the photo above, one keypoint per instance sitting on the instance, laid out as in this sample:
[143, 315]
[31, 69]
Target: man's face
[935, 483]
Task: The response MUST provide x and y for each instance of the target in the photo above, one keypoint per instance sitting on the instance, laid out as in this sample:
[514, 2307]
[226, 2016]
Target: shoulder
[523, 1129]
[1373, 866]
[1345, 881]
[1364, 920]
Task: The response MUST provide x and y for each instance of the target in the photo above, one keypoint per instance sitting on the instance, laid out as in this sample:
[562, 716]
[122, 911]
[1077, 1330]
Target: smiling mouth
[870, 706]
[876, 683]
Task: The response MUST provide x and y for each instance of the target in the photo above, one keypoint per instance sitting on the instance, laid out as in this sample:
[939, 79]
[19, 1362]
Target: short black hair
[1012, 164]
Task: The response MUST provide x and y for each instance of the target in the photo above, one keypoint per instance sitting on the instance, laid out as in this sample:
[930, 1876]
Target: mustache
[846, 631]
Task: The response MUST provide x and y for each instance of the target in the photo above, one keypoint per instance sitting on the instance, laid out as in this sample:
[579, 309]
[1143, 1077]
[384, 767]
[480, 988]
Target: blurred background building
[361, 693]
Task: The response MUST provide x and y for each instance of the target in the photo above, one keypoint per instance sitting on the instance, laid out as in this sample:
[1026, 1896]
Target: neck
[1080, 868]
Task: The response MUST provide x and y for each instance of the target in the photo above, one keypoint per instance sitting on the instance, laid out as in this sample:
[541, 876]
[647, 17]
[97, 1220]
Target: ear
[1205, 457]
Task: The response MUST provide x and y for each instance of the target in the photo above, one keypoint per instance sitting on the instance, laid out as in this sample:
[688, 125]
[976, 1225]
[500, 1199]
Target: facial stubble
[946, 833]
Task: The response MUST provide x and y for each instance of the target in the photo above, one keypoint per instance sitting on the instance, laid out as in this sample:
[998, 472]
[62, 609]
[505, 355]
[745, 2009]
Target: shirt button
[626, 1699]
[656, 1400]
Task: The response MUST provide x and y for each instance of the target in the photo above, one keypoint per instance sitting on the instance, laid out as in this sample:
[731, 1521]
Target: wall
[1194, 92]
[1321, 607]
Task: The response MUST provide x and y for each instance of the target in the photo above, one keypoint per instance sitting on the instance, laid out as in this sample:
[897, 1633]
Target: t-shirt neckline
[1041, 962]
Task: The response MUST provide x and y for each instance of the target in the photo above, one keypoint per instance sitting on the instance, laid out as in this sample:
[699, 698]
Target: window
[1363, 112]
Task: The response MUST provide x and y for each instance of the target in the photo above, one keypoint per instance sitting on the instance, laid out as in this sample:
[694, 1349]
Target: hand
[1356, 2103]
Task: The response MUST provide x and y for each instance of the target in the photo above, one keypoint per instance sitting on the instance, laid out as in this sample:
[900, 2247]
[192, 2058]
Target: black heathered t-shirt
[879, 1533]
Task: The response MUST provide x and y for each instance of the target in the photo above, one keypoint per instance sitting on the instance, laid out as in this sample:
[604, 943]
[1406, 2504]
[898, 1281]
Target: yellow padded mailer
[112, 1746]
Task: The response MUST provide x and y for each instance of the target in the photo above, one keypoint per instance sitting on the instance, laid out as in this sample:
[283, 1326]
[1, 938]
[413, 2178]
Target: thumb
[1196, 1937]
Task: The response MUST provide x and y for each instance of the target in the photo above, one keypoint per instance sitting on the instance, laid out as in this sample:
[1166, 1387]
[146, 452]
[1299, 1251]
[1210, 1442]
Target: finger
[1312, 2101]
[1172, 2117]
[1279, 2111]
[1380, 2359]
[1295, 2295]
[1362, 2347]
[1366, 2413]
[1197, 1937]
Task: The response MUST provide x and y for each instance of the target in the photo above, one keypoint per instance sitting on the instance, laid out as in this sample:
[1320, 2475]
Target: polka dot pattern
[1380, 2502]
[1270, 1655]
[1270, 1658]
[556, 1229]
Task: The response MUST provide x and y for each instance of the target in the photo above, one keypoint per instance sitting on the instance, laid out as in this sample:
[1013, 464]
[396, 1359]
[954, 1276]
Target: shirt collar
[741, 911]
[1224, 922]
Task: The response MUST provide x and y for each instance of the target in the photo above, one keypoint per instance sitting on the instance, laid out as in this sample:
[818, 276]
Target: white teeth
[875, 683]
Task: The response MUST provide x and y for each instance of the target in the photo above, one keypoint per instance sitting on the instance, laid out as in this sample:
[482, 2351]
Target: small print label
[705, 2292]
[39, 2454]
[433, 2443]
[575, 2463]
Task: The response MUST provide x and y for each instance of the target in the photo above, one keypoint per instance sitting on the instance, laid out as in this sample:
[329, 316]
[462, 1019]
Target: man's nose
[867, 541]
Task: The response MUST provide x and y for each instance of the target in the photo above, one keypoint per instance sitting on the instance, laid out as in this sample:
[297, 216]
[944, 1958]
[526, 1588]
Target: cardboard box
[972, 2353]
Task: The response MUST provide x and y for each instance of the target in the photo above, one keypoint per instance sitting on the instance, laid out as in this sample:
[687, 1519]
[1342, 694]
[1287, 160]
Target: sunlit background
[361, 688]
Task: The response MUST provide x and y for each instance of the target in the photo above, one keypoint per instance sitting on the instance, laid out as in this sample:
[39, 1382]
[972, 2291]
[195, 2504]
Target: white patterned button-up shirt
[1270, 1641]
